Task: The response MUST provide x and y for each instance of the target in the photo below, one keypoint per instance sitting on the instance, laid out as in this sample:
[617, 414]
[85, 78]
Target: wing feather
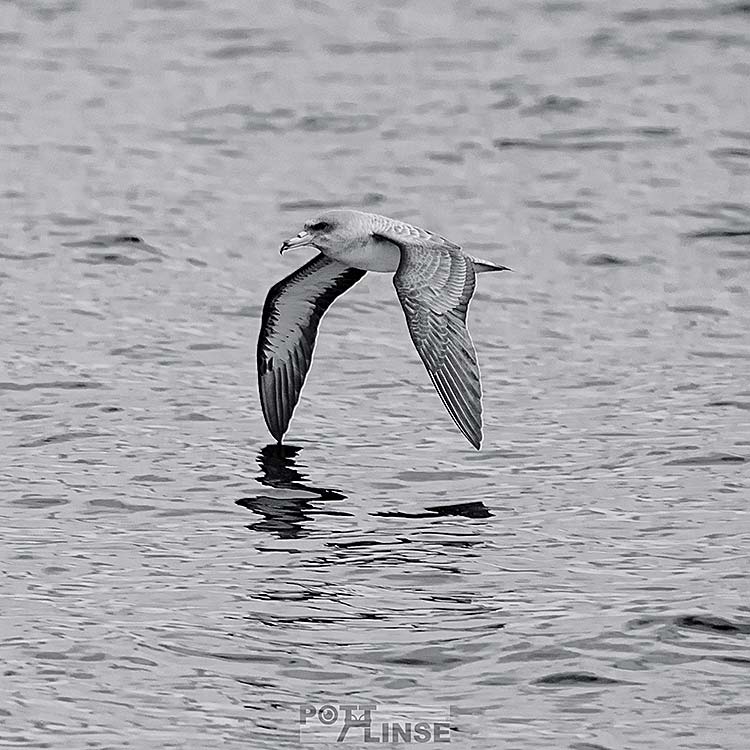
[292, 313]
[435, 282]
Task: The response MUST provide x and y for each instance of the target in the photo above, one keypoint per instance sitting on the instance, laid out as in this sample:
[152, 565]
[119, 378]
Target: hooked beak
[302, 239]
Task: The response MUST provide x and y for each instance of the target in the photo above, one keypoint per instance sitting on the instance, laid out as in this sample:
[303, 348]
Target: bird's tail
[483, 266]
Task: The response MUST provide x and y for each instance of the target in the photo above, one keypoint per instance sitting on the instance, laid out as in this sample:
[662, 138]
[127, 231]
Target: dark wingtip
[474, 439]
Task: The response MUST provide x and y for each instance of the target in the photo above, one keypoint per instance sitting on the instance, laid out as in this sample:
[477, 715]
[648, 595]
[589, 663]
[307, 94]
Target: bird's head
[330, 229]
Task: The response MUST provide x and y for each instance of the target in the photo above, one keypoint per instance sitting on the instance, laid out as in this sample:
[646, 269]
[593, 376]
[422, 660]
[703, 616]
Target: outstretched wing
[291, 316]
[435, 282]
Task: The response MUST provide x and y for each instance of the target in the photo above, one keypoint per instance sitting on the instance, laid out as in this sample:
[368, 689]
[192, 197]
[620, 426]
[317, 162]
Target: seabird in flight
[434, 281]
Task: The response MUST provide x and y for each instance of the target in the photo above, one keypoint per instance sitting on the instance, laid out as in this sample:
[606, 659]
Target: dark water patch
[36, 502]
[736, 404]
[239, 116]
[24, 256]
[367, 543]
[551, 333]
[165, 4]
[657, 15]
[75, 149]
[606, 259]
[51, 385]
[50, 11]
[114, 505]
[655, 131]
[716, 38]
[120, 249]
[731, 151]
[712, 623]
[63, 437]
[209, 347]
[434, 658]
[741, 661]
[731, 9]
[510, 101]
[337, 123]
[260, 121]
[310, 204]
[313, 204]
[548, 145]
[234, 34]
[62, 220]
[591, 139]
[194, 416]
[446, 157]
[367, 48]
[372, 199]
[736, 255]
[587, 746]
[10, 37]
[710, 459]
[565, 679]
[555, 104]
[436, 476]
[142, 352]
[591, 82]
[585, 218]
[720, 232]
[739, 135]
[88, 313]
[436, 44]
[475, 509]
[238, 51]
[717, 312]
[562, 206]
[151, 479]
[200, 137]
[562, 6]
[591, 383]
[721, 355]
[97, 259]
[732, 213]
[735, 159]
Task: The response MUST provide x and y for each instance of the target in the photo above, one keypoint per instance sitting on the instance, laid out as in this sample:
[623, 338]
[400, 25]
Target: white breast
[371, 255]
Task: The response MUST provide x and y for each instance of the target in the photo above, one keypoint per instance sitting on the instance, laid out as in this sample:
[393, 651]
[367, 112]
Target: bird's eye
[320, 226]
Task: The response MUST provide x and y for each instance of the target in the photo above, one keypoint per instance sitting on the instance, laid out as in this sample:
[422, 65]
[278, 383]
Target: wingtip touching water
[434, 281]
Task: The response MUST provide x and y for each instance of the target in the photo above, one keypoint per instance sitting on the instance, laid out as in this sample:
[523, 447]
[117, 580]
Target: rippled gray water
[172, 581]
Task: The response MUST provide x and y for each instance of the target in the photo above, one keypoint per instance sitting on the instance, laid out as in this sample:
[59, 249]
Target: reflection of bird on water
[289, 503]
[434, 280]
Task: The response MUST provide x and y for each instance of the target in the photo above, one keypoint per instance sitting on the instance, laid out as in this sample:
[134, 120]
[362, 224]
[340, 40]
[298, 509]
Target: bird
[434, 280]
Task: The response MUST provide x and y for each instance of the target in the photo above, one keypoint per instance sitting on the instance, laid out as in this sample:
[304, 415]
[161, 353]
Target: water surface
[171, 580]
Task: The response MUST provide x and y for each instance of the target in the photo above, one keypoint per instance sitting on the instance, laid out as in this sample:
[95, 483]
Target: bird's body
[368, 254]
[434, 281]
